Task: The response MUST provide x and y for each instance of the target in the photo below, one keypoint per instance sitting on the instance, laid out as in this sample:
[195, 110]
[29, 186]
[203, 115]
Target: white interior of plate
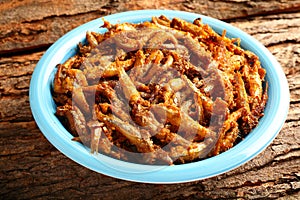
[43, 108]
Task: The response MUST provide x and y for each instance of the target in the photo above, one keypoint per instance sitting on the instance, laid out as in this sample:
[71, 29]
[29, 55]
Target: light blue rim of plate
[43, 107]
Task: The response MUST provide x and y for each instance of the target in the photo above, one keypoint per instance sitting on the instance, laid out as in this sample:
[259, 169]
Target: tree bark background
[31, 168]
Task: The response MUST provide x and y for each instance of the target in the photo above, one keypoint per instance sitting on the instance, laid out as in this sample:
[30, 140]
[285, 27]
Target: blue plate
[43, 107]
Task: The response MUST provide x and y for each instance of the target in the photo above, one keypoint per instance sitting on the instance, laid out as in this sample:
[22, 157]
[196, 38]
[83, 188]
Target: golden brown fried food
[165, 91]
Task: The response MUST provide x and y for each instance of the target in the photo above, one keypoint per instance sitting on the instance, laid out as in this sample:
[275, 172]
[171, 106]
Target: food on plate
[165, 91]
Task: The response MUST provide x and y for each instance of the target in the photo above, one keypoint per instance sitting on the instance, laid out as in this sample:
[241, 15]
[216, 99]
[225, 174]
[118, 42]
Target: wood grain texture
[46, 21]
[31, 168]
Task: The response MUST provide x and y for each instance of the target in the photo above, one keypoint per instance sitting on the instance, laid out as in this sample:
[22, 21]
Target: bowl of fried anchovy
[159, 96]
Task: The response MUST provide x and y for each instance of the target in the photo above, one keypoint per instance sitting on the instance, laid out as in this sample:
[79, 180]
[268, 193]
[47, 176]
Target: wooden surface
[31, 168]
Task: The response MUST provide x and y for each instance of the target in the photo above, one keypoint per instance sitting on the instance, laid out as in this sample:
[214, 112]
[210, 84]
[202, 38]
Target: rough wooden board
[44, 23]
[226, 9]
[31, 168]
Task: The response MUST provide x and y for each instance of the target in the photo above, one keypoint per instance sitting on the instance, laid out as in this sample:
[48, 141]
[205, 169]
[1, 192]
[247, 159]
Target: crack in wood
[291, 154]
